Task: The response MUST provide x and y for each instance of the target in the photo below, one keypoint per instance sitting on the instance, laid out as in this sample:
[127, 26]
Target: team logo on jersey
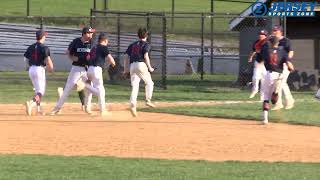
[83, 50]
[280, 9]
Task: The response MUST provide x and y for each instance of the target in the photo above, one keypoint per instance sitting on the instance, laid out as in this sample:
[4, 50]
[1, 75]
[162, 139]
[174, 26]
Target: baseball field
[200, 130]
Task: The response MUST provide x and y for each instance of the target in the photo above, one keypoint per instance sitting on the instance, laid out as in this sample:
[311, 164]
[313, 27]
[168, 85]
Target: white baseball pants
[138, 71]
[75, 75]
[269, 83]
[37, 75]
[259, 73]
[285, 88]
[95, 76]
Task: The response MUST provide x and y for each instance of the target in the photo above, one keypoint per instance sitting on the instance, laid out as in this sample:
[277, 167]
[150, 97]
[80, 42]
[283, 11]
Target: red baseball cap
[263, 32]
[88, 30]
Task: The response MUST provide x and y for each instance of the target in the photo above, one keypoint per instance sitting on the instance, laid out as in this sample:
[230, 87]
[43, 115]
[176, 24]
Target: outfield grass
[16, 87]
[82, 8]
[57, 167]
[304, 112]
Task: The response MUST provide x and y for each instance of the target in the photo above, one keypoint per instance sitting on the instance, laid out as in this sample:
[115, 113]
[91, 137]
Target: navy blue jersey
[98, 55]
[36, 54]
[274, 59]
[257, 46]
[81, 50]
[137, 50]
[286, 44]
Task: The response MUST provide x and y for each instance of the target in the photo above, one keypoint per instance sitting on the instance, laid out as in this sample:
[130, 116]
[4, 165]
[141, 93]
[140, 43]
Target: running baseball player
[137, 55]
[79, 53]
[38, 57]
[98, 56]
[259, 69]
[286, 44]
[275, 58]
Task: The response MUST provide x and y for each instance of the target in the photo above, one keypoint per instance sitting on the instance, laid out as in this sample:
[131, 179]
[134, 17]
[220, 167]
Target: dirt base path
[154, 135]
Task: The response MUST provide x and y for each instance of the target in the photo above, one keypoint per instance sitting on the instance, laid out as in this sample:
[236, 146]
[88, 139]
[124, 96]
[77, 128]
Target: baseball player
[79, 53]
[286, 44]
[38, 57]
[140, 68]
[275, 58]
[259, 69]
[98, 56]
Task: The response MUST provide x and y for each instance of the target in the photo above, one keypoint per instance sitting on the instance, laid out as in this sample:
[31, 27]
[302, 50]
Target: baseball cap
[277, 28]
[40, 34]
[88, 30]
[103, 36]
[263, 32]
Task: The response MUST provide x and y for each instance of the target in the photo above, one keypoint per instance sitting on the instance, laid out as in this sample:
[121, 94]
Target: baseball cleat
[28, 108]
[105, 113]
[60, 91]
[277, 107]
[150, 104]
[252, 95]
[133, 111]
[290, 105]
[265, 122]
[88, 110]
[55, 111]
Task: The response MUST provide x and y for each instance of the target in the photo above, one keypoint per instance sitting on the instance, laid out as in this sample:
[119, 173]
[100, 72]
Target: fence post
[41, 22]
[149, 29]
[95, 4]
[105, 4]
[118, 36]
[211, 37]
[202, 45]
[172, 14]
[164, 52]
[28, 7]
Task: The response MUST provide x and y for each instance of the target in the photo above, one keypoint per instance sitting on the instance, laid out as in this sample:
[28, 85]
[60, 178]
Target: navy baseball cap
[263, 32]
[277, 28]
[40, 34]
[88, 30]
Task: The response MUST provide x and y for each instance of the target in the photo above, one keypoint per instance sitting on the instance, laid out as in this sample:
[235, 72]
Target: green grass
[82, 8]
[34, 167]
[16, 87]
[305, 112]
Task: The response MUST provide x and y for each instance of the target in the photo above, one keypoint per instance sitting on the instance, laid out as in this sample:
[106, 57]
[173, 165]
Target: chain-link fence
[196, 43]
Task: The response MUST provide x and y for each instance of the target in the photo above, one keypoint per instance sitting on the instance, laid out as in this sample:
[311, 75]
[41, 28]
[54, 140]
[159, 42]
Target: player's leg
[88, 94]
[263, 76]
[255, 80]
[41, 74]
[266, 90]
[74, 76]
[289, 101]
[318, 94]
[98, 83]
[135, 80]
[145, 75]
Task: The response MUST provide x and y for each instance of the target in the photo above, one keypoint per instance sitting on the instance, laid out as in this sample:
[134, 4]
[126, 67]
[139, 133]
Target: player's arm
[147, 61]
[72, 57]
[251, 56]
[290, 66]
[289, 49]
[26, 60]
[111, 60]
[71, 51]
[49, 64]
[126, 63]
